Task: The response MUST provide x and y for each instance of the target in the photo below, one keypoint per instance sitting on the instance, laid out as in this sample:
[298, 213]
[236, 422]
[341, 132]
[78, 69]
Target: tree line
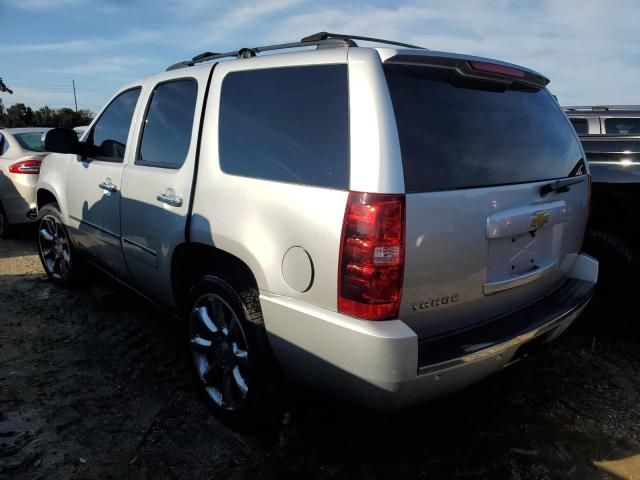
[21, 115]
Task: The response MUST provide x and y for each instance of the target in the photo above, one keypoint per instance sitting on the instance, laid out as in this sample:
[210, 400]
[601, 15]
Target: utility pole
[75, 100]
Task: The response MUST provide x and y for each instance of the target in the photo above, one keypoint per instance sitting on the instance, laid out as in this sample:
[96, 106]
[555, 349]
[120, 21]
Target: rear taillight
[495, 68]
[26, 165]
[372, 256]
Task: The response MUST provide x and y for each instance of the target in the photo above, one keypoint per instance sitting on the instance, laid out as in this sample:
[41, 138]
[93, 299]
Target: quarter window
[168, 125]
[286, 124]
[4, 146]
[108, 139]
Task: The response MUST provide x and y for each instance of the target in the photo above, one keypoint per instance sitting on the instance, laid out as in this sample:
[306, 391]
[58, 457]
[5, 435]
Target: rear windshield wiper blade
[559, 186]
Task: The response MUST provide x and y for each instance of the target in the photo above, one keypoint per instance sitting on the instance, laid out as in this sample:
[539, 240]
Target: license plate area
[523, 244]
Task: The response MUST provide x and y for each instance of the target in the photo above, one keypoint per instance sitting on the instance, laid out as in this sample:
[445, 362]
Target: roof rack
[327, 36]
[320, 40]
[600, 108]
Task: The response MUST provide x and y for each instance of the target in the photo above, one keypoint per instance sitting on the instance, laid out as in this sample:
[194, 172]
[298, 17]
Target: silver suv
[386, 224]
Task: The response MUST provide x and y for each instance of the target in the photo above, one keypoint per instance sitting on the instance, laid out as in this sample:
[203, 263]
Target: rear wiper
[559, 186]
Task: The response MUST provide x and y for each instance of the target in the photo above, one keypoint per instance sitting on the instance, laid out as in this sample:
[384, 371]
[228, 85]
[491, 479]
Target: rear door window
[286, 124]
[168, 124]
[455, 134]
[580, 125]
[622, 126]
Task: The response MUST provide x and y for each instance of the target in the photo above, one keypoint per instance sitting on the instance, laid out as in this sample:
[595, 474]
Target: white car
[21, 154]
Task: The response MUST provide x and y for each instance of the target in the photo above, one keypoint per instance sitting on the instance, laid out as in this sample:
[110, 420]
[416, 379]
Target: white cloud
[88, 45]
[100, 65]
[585, 48]
[588, 49]
[42, 4]
[228, 26]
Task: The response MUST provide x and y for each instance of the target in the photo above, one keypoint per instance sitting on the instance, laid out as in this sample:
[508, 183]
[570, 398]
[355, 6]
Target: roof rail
[600, 108]
[320, 40]
[326, 36]
[252, 52]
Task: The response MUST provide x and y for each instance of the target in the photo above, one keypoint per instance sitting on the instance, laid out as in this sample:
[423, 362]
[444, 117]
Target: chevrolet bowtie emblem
[538, 220]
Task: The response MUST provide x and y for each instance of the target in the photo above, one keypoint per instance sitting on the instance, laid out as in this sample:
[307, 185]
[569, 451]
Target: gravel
[94, 384]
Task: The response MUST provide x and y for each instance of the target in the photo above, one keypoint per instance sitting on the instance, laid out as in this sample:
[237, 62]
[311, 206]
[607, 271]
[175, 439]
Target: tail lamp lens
[495, 68]
[372, 256]
[26, 166]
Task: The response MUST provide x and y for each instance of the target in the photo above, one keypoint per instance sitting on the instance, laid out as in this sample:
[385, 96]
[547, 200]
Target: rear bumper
[18, 196]
[385, 365]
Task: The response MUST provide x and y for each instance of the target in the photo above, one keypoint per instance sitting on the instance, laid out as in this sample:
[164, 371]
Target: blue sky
[589, 49]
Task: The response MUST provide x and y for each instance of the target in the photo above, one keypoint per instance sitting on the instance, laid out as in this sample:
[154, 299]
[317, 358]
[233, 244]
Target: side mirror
[60, 140]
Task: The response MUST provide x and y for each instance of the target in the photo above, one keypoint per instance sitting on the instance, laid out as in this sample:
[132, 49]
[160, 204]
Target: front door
[94, 183]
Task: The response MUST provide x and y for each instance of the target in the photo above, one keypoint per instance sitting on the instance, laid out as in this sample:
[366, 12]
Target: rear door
[482, 235]
[157, 182]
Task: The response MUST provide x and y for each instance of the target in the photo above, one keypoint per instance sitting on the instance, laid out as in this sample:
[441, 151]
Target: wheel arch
[191, 260]
[45, 196]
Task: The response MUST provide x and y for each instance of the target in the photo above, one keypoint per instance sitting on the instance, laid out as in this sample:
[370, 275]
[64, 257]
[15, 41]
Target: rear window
[286, 124]
[581, 126]
[455, 134]
[30, 141]
[622, 126]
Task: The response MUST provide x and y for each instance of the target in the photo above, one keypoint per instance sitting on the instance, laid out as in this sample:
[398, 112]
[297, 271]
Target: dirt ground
[94, 385]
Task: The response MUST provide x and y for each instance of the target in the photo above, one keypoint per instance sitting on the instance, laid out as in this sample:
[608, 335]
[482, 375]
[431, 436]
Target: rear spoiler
[471, 67]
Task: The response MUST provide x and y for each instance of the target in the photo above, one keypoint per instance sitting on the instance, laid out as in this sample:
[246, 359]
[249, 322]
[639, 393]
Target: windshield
[30, 141]
[456, 134]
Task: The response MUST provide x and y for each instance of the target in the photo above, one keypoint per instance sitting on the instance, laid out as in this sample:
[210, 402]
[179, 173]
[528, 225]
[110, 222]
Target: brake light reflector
[26, 165]
[372, 256]
[495, 68]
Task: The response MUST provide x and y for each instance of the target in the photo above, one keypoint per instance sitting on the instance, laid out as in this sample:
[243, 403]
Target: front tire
[231, 356]
[54, 247]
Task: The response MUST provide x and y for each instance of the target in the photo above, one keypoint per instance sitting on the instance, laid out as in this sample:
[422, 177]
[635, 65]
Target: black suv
[610, 136]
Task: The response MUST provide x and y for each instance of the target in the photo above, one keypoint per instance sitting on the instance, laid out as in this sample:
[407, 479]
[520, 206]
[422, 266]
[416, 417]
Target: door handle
[108, 186]
[172, 200]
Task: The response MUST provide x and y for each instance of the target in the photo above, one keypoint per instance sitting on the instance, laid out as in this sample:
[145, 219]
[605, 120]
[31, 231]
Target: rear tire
[55, 250]
[230, 353]
[615, 295]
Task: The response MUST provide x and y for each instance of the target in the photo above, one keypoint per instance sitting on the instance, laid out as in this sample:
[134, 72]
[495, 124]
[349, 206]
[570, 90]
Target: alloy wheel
[54, 247]
[220, 351]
